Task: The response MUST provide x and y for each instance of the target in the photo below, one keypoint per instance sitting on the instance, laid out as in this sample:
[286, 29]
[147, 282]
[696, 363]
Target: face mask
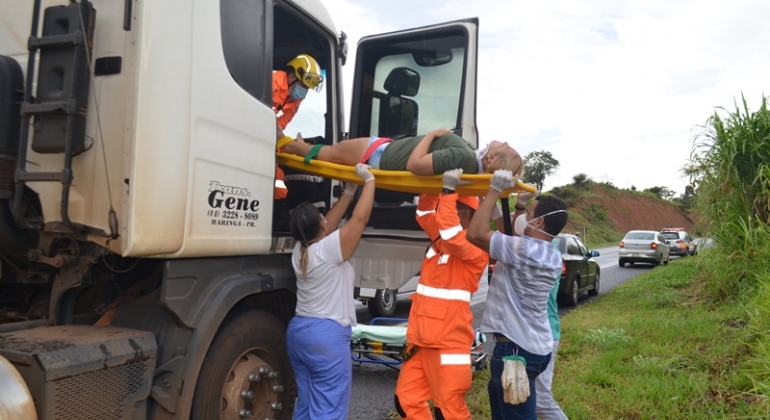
[521, 223]
[298, 92]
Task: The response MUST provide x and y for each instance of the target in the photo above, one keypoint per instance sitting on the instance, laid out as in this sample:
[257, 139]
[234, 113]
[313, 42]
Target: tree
[581, 180]
[663, 192]
[537, 166]
[688, 197]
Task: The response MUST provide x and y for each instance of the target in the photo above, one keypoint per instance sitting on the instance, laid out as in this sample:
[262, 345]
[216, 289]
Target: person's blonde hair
[510, 160]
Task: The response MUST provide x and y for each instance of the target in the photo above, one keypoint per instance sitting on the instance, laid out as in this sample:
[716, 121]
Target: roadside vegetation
[689, 340]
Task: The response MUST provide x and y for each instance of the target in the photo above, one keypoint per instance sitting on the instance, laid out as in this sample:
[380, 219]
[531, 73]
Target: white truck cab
[137, 166]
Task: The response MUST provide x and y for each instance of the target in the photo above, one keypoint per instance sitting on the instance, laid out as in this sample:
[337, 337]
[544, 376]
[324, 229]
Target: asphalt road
[373, 385]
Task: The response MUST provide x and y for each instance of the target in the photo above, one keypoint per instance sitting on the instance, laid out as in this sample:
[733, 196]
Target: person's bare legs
[346, 152]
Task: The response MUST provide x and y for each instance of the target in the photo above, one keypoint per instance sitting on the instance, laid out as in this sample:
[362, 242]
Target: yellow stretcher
[402, 181]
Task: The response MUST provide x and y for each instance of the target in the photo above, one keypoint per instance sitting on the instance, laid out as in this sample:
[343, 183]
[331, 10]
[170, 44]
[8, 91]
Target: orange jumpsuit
[441, 321]
[282, 102]
[280, 192]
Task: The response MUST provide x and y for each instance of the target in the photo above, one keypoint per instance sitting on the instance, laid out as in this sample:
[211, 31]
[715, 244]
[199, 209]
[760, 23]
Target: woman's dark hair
[305, 225]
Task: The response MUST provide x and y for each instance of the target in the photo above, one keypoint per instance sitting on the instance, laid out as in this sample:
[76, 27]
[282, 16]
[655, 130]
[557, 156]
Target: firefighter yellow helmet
[307, 70]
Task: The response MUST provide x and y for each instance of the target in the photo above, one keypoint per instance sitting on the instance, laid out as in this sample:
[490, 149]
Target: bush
[582, 181]
[569, 194]
[596, 213]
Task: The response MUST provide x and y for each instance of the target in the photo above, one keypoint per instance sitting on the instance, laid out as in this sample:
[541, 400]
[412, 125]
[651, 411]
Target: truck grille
[98, 395]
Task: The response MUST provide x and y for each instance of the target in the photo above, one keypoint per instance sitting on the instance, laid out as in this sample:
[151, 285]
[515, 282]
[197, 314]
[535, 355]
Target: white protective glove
[523, 198]
[515, 380]
[363, 171]
[350, 189]
[452, 179]
[502, 180]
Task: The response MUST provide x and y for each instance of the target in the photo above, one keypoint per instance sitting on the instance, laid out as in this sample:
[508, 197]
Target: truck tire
[253, 345]
[383, 304]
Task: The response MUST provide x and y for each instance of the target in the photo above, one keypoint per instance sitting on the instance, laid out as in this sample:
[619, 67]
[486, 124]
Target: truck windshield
[412, 86]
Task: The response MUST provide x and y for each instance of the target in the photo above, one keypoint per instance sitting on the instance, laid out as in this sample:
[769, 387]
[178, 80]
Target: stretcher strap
[507, 217]
[372, 147]
[283, 142]
[313, 152]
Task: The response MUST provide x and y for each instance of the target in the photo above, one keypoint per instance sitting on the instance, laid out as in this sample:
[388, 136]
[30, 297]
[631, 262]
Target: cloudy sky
[614, 89]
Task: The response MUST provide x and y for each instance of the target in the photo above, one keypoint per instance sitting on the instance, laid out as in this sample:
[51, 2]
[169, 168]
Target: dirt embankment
[629, 210]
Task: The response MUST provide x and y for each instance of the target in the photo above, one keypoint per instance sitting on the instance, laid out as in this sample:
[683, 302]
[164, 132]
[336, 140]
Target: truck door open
[408, 83]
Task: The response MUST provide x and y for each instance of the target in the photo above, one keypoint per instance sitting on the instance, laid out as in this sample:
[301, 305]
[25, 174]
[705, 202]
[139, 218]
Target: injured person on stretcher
[434, 153]
[383, 342]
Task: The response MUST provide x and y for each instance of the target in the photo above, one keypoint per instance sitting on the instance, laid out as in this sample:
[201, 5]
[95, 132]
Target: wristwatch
[519, 207]
[447, 191]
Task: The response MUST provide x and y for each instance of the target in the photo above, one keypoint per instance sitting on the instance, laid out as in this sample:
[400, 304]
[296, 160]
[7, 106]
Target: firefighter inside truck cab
[290, 87]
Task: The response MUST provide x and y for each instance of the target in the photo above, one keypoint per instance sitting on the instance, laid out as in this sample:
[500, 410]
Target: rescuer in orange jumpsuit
[289, 89]
[440, 329]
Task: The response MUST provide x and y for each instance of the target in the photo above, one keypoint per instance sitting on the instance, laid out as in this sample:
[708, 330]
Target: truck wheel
[246, 372]
[383, 304]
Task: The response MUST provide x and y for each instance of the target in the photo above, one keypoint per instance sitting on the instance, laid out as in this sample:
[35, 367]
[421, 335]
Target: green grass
[653, 348]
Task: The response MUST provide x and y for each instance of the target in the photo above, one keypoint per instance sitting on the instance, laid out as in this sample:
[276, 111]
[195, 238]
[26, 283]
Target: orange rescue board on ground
[402, 181]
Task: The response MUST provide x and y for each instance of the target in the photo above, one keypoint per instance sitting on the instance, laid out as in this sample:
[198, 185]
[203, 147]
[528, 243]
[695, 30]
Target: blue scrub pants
[319, 351]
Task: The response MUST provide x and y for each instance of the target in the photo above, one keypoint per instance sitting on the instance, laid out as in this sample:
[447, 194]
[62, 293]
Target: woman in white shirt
[318, 337]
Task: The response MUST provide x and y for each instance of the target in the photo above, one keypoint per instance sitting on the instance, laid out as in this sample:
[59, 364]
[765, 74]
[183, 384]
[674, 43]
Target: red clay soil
[633, 211]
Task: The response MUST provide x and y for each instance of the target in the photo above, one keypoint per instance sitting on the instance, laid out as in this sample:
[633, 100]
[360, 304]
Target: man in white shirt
[516, 310]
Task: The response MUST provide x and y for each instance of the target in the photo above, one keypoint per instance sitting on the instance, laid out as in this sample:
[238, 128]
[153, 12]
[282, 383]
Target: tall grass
[730, 164]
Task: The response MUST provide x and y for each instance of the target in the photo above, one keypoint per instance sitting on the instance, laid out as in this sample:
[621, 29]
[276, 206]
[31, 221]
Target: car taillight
[563, 268]
[622, 245]
[653, 246]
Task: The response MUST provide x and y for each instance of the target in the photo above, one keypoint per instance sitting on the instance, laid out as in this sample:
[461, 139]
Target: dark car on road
[579, 269]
